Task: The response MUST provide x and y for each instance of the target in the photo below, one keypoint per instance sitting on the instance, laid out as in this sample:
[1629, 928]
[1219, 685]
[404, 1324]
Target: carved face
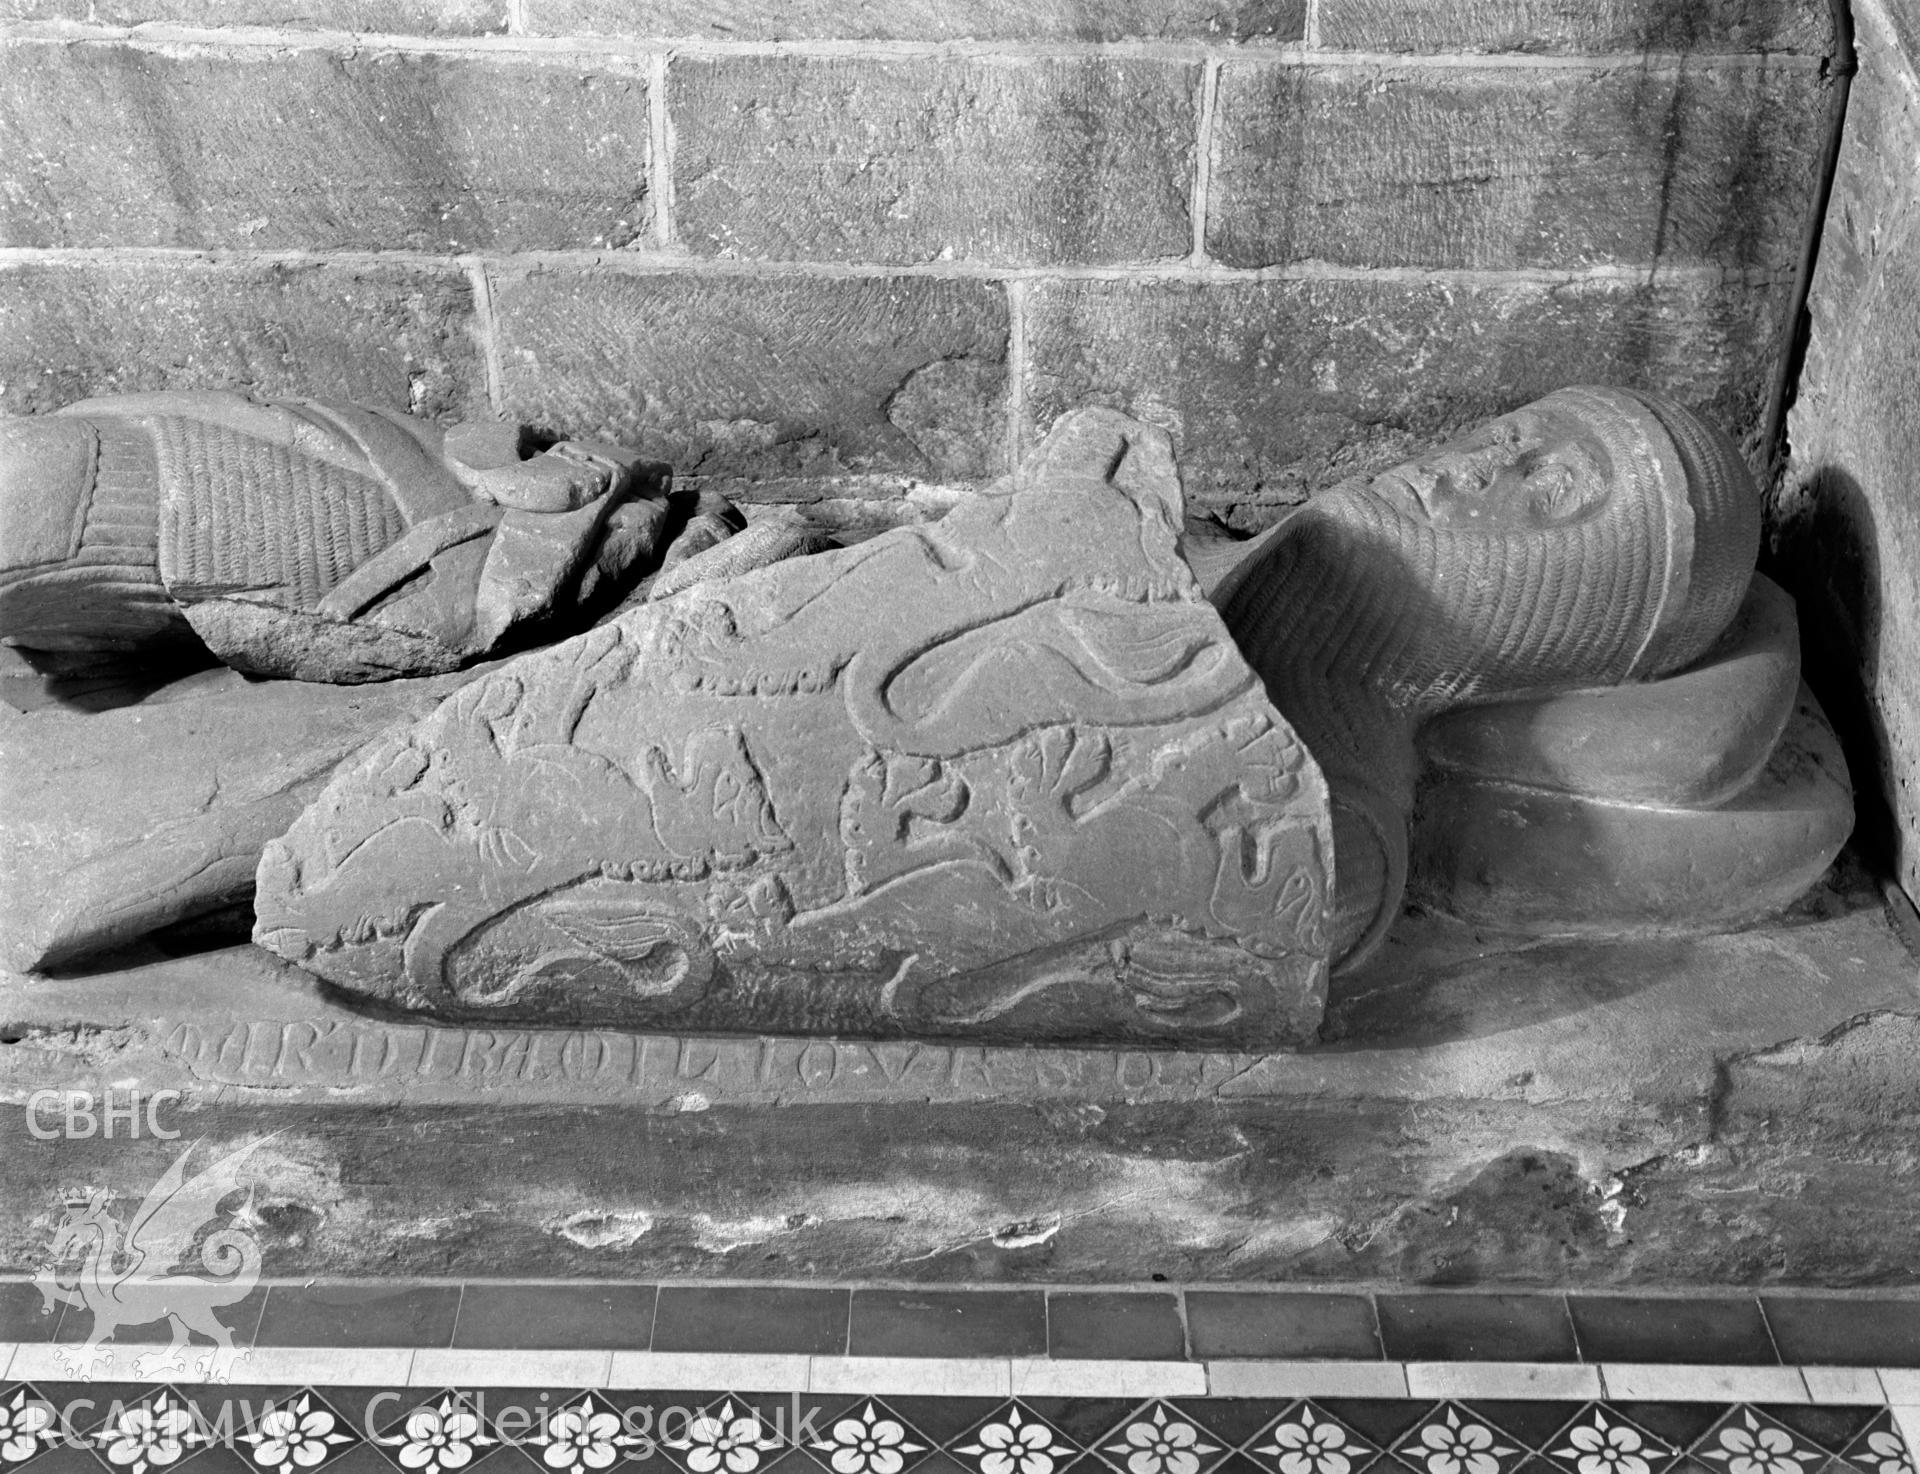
[1539, 467]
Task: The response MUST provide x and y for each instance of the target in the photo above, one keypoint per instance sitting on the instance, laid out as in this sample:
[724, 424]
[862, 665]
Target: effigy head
[1633, 519]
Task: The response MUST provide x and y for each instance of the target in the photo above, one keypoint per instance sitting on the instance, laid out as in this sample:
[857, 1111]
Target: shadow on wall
[1826, 553]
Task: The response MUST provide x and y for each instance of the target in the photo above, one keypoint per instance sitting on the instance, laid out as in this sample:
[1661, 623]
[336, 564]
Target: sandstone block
[922, 20]
[1515, 167]
[121, 145]
[1592, 26]
[393, 17]
[764, 380]
[1276, 389]
[398, 336]
[1005, 777]
[1002, 159]
[1850, 529]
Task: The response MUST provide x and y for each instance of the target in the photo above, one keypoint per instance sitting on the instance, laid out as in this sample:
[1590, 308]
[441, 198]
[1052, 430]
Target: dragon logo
[129, 1278]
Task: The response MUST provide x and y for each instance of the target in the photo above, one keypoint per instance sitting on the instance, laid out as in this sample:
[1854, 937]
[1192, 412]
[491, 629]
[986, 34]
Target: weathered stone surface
[1587, 1113]
[1014, 160]
[119, 145]
[1694, 739]
[1850, 521]
[1004, 778]
[123, 821]
[1559, 863]
[393, 17]
[792, 383]
[308, 538]
[1595, 26]
[1273, 390]
[922, 20]
[1515, 166]
[398, 336]
[1595, 538]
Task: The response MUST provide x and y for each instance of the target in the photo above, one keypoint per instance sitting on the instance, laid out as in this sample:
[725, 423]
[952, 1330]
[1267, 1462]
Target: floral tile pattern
[1747, 1441]
[871, 1440]
[584, 1435]
[1015, 1440]
[438, 1436]
[1306, 1440]
[297, 1435]
[1452, 1440]
[308, 1430]
[1603, 1442]
[1161, 1440]
[1879, 1449]
[727, 1438]
[28, 1425]
[159, 1431]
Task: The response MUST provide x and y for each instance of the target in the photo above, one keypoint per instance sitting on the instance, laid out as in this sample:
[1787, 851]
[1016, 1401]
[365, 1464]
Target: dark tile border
[948, 1323]
[748, 1319]
[366, 1314]
[1147, 1322]
[1131, 1325]
[1282, 1325]
[1722, 1332]
[1475, 1326]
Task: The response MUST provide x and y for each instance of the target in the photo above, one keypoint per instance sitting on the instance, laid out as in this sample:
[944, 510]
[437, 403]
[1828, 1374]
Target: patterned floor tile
[29, 1425]
[295, 1433]
[864, 1435]
[1878, 1448]
[730, 1433]
[1532, 1425]
[1680, 1424]
[148, 1429]
[1833, 1428]
[1747, 1441]
[1158, 1438]
[1230, 1421]
[1451, 1440]
[1307, 1439]
[582, 1433]
[1013, 1440]
[945, 1419]
[1090, 1421]
[1600, 1441]
[1383, 1420]
[439, 1433]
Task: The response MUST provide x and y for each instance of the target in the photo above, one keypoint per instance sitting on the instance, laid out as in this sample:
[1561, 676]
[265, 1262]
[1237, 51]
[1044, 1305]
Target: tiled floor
[122, 1429]
[429, 1378]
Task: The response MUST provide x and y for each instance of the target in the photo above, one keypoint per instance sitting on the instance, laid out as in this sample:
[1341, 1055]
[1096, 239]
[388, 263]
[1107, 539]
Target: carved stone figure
[120, 822]
[1002, 777]
[1008, 776]
[328, 542]
[1546, 688]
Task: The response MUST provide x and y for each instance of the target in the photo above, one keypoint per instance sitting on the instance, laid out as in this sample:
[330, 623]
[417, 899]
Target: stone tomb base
[1732, 1109]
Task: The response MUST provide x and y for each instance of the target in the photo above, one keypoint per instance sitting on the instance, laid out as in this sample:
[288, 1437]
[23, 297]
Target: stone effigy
[298, 537]
[1004, 777]
[1007, 777]
[123, 821]
[1547, 690]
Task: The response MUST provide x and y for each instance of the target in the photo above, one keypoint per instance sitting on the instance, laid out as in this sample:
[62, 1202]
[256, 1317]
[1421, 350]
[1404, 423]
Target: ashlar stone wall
[1848, 539]
[861, 252]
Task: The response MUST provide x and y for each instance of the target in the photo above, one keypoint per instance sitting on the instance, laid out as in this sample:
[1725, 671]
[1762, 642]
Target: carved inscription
[334, 1054]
